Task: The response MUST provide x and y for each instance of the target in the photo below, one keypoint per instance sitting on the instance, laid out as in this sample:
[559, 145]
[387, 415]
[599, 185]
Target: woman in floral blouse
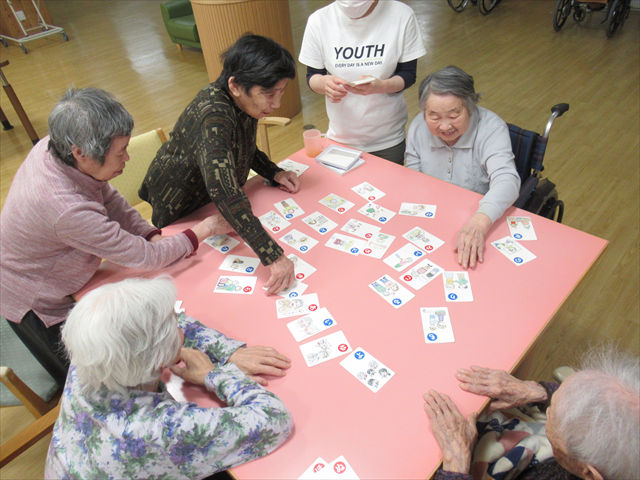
[117, 419]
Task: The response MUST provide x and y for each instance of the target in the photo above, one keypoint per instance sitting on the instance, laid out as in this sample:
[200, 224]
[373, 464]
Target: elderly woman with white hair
[455, 140]
[117, 419]
[592, 425]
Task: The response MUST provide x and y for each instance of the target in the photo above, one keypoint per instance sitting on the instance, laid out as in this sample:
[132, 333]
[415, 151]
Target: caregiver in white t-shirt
[353, 39]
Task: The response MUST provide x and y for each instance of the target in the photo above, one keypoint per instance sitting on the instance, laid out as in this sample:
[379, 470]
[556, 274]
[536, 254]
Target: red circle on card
[341, 209]
[275, 229]
[317, 467]
[246, 289]
[368, 235]
[428, 248]
[339, 467]
[343, 347]
[371, 198]
[367, 251]
[313, 307]
[408, 278]
[299, 276]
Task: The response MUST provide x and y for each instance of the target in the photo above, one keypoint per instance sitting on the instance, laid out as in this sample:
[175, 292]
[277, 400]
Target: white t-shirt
[373, 45]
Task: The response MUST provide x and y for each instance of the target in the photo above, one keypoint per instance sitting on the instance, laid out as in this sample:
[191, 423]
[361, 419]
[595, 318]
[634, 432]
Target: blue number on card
[249, 269]
[452, 296]
[383, 219]
[432, 336]
[518, 260]
[328, 322]
[293, 294]
[359, 354]
[224, 249]
[304, 248]
[417, 253]
[288, 215]
[428, 214]
[396, 301]
[354, 250]
[517, 235]
[323, 230]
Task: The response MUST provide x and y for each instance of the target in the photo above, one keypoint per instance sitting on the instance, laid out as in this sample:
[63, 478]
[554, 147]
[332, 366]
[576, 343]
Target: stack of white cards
[320, 469]
[340, 159]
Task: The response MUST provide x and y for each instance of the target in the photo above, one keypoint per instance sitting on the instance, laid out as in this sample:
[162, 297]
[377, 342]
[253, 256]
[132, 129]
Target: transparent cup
[314, 142]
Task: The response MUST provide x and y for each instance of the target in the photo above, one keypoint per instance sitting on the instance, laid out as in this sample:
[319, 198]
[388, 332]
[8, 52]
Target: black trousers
[44, 344]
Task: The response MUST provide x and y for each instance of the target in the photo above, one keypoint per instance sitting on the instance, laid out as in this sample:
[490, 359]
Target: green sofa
[181, 26]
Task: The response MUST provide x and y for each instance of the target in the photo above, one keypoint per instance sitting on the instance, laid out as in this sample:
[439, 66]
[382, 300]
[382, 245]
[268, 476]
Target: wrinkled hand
[212, 225]
[197, 366]
[258, 362]
[455, 434]
[156, 238]
[333, 88]
[470, 244]
[377, 86]
[289, 181]
[505, 390]
[282, 275]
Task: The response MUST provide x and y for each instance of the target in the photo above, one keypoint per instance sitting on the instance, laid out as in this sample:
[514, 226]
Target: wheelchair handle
[556, 111]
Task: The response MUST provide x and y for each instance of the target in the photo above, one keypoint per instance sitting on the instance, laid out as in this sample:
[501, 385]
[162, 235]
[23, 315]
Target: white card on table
[272, 221]
[307, 326]
[403, 257]
[295, 290]
[338, 468]
[288, 208]
[320, 223]
[377, 212]
[423, 239]
[238, 263]
[222, 243]
[299, 241]
[515, 252]
[317, 465]
[365, 367]
[421, 274]
[325, 348]
[436, 324]
[301, 268]
[521, 228]
[360, 229]
[292, 307]
[457, 287]
[368, 191]
[292, 166]
[418, 210]
[337, 203]
[178, 308]
[346, 244]
[378, 244]
[235, 284]
[391, 291]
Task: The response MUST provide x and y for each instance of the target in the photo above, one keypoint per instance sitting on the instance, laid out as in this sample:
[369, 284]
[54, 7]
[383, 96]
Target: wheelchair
[537, 194]
[617, 12]
[485, 6]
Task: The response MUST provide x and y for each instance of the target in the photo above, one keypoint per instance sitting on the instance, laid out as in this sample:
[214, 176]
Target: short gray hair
[599, 416]
[123, 334]
[89, 119]
[449, 80]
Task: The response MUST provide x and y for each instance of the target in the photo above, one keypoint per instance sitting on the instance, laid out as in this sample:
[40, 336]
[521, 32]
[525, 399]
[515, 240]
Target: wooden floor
[521, 66]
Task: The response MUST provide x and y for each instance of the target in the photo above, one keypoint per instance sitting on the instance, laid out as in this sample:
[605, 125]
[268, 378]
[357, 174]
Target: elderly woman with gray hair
[455, 140]
[62, 217]
[117, 419]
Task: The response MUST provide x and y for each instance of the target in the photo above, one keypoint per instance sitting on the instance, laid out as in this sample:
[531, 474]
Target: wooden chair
[263, 125]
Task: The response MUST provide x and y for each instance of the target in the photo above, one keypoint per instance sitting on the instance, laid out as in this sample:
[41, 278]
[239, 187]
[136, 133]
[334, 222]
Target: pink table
[383, 435]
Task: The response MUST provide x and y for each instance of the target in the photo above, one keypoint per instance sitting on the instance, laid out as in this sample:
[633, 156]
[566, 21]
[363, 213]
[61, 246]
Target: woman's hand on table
[196, 366]
[289, 181]
[258, 362]
[212, 225]
[282, 275]
[470, 243]
[329, 85]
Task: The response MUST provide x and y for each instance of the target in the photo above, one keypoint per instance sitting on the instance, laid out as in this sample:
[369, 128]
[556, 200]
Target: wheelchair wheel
[563, 9]
[458, 5]
[485, 6]
[617, 16]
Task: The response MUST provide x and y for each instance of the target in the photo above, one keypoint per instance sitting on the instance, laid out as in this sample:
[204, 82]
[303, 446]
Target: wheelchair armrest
[526, 189]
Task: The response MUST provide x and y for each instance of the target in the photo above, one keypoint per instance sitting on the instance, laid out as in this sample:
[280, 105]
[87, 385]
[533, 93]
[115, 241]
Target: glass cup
[314, 142]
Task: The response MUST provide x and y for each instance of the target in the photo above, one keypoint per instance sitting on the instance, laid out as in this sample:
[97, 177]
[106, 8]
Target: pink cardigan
[56, 225]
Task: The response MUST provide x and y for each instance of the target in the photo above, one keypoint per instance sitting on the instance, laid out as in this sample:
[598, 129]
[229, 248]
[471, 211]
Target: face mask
[354, 8]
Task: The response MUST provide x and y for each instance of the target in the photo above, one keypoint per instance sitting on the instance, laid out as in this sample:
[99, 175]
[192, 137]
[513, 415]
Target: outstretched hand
[257, 362]
[470, 242]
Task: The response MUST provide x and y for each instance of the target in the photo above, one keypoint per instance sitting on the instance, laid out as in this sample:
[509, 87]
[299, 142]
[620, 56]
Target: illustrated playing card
[403, 257]
[295, 290]
[360, 229]
[272, 221]
[391, 291]
[521, 228]
[339, 468]
[325, 348]
[299, 241]
[418, 210]
[421, 274]
[317, 465]
[301, 268]
[377, 212]
[307, 326]
[337, 203]
[513, 250]
[423, 239]
[292, 307]
[436, 324]
[238, 263]
[365, 367]
[457, 287]
[368, 191]
[288, 208]
[291, 166]
[320, 223]
[222, 243]
[234, 284]
[345, 243]
[378, 244]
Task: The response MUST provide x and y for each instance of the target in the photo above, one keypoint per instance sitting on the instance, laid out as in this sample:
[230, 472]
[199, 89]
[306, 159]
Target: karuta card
[515, 252]
[365, 367]
[295, 290]
[288, 208]
[337, 203]
[346, 244]
[273, 222]
[325, 348]
[234, 284]
[418, 210]
[222, 243]
[521, 228]
[378, 244]
[360, 229]
[298, 240]
[317, 465]
[338, 468]
[391, 291]
[377, 212]
[291, 166]
[301, 268]
[292, 307]
[320, 223]
[436, 324]
[238, 263]
[368, 191]
[403, 257]
[457, 287]
[178, 308]
[307, 326]
[423, 239]
[421, 274]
